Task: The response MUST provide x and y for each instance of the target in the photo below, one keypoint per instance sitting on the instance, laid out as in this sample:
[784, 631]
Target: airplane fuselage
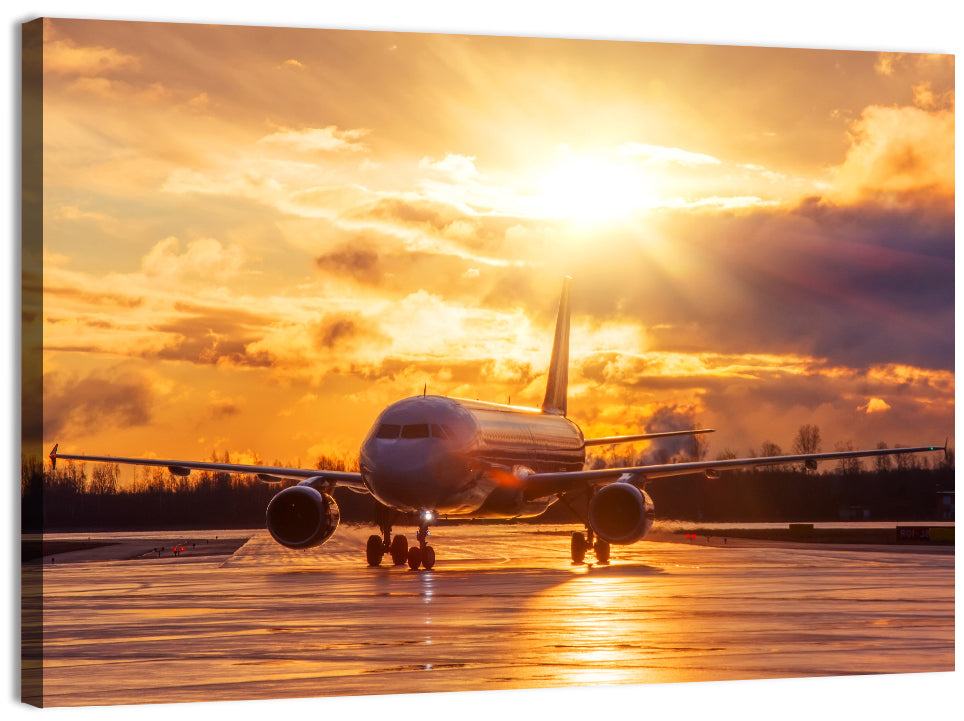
[465, 458]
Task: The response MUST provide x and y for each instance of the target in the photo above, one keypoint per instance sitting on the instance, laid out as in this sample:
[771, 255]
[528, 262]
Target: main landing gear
[582, 542]
[378, 546]
[579, 545]
[397, 547]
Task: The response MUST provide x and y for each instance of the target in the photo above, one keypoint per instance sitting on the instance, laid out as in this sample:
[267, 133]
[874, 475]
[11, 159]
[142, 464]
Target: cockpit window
[441, 431]
[419, 430]
[388, 430]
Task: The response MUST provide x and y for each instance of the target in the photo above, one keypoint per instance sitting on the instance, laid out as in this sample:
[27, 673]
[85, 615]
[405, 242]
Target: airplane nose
[409, 475]
[399, 475]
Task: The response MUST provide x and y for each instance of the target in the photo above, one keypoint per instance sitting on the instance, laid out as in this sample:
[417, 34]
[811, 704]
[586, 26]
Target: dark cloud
[435, 215]
[213, 336]
[85, 320]
[669, 417]
[94, 401]
[335, 330]
[226, 316]
[475, 232]
[360, 262]
[338, 331]
[381, 264]
[859, 285]
[672, 418]
[124, 301]
[220, 409]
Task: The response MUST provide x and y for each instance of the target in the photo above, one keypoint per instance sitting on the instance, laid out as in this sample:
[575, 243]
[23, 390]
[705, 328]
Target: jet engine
[621, 513]
[302, 517]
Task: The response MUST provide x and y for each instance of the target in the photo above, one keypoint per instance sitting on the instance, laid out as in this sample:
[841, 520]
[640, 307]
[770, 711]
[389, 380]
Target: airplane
[467, 459]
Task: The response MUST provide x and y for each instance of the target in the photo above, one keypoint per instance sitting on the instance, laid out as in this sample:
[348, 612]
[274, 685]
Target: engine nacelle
[301, 517]
[621, 513]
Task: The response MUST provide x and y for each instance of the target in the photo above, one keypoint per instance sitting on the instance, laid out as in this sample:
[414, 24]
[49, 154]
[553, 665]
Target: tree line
[80, 495]
[901, 487]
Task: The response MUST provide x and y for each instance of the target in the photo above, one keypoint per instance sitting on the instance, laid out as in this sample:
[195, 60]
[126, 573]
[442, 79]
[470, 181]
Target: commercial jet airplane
[435, 456]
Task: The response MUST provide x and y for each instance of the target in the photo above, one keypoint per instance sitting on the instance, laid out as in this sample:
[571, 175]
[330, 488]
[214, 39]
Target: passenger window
[419, 430]
[388, 430]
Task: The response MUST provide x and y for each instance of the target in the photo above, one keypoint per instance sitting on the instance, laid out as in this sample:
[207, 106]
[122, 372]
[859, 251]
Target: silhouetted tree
[882, 463]
[807, 440]
[700, 447]
[767, 449]
[103, 479]
[847, 466]
[905, 461]
[69, 478]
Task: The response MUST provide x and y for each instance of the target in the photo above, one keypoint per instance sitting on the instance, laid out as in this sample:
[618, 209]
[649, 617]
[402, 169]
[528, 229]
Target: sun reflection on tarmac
[609, 625]
[427, 582]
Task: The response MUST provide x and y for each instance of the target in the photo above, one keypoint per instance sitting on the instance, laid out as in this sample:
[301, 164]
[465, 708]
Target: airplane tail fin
[558, 385]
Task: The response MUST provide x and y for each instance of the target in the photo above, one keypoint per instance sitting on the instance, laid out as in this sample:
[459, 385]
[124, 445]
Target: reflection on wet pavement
[503, 608]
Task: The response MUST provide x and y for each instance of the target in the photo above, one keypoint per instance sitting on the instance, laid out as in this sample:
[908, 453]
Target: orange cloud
[896, 151]
[205, 257]
[63, 57]
[874, 405]
[327, 139]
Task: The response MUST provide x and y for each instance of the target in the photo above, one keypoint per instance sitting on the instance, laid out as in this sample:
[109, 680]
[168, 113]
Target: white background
[917, 26]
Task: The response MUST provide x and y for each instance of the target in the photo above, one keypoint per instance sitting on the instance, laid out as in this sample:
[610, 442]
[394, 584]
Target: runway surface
[503, 609]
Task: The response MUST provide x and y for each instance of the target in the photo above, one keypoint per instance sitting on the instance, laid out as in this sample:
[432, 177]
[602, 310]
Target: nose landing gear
[422, 554]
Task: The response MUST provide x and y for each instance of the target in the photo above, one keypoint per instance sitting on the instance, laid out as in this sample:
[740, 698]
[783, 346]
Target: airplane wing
[268, 474]
[538, 485]
[643, 437]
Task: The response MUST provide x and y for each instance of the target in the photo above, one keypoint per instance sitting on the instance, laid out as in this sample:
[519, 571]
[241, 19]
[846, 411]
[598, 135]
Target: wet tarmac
[503, 609]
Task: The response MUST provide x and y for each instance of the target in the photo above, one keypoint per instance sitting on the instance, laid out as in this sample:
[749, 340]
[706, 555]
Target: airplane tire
[399, 550]
[428, 557]
[601, 549]
[578, 547]
[414, 557]
[374, 550]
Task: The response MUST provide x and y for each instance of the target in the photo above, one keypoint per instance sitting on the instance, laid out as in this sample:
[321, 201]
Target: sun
[593, 187]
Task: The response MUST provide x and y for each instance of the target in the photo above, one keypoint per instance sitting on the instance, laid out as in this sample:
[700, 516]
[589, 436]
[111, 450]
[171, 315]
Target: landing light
[428, 516]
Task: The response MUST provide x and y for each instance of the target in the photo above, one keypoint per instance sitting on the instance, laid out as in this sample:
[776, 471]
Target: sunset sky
[254, 239]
